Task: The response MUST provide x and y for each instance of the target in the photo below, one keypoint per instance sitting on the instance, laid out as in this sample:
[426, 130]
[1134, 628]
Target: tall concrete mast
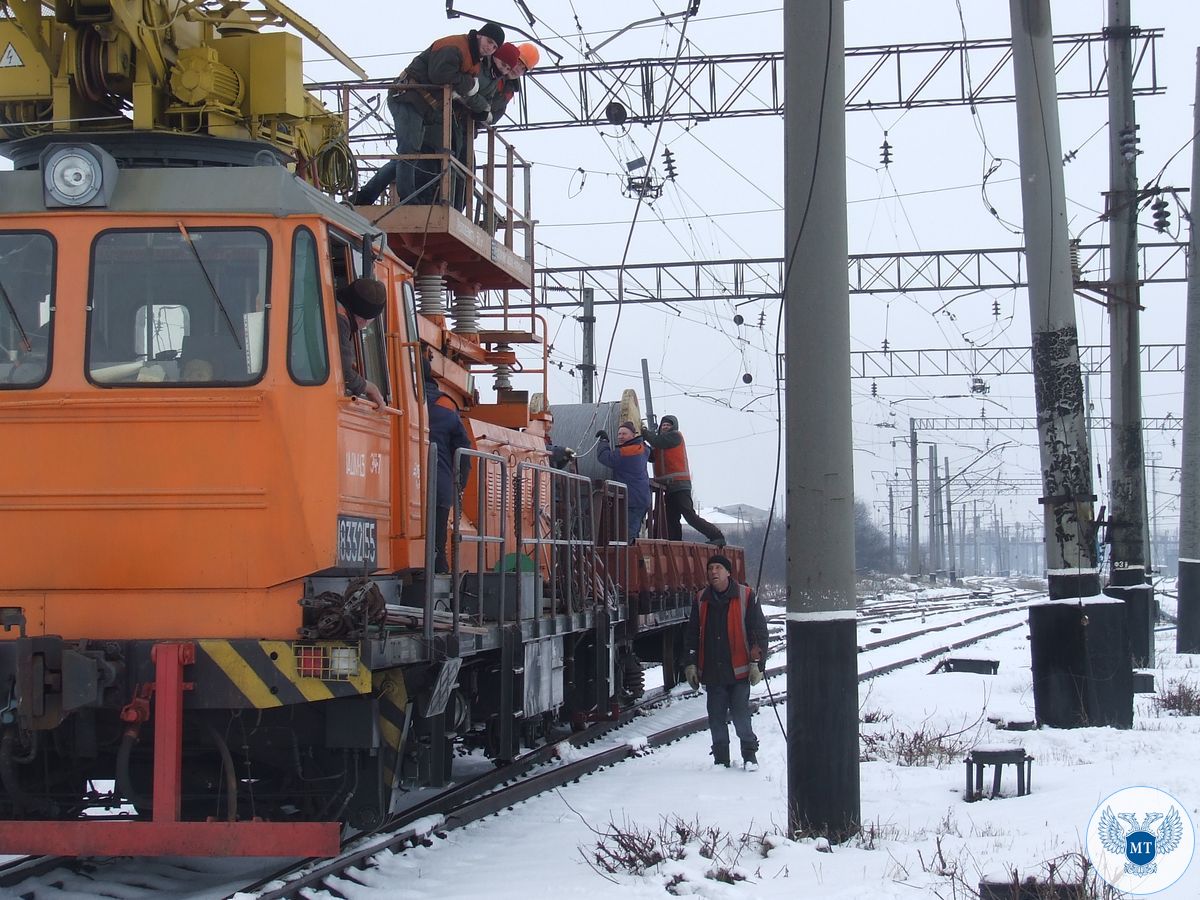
[822, 642]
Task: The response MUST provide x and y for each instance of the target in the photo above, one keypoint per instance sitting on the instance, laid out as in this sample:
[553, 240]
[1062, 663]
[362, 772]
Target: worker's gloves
[692, 674]
[756, 674]
[568, 453]
[484, 117]
[602, 435]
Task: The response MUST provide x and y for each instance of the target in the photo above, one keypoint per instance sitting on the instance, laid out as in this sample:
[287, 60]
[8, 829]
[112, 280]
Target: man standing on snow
[726, 641]
[671, 471]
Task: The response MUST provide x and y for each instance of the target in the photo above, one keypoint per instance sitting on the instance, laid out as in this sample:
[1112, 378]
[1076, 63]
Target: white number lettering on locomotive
[356, 464]
[357, 542]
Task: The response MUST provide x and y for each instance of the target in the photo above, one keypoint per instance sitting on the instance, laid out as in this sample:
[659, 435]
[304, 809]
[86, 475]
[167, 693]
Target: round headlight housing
[73, 176]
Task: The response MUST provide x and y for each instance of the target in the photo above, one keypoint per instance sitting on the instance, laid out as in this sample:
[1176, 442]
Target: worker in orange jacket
[417, 111]
[726, 643]
[672, 473]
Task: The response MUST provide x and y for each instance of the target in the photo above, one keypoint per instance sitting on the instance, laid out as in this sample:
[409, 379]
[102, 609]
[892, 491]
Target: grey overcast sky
[727, 203]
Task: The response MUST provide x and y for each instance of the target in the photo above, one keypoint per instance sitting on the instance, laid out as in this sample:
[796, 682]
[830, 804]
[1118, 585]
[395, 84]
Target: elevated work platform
[471, 220]
[470, 254]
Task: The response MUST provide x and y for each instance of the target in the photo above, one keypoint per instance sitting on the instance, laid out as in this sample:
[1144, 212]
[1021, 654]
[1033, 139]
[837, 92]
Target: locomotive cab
[184, 431]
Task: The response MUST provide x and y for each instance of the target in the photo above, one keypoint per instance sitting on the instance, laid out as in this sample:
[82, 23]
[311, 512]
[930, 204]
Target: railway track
[470, 800]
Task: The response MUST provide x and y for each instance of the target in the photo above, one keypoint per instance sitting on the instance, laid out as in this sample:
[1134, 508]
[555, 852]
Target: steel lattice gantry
[972, 487]
[699, 88]
[895, 76]
[869, 273]
[1028, 423]
[990, 362]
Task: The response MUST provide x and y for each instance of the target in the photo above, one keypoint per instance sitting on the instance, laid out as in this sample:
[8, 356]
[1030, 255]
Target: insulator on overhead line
[1128, 141]
[1162, 215]
[1076, 268]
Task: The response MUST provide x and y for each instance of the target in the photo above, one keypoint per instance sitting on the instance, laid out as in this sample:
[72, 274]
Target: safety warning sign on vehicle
[11, 58]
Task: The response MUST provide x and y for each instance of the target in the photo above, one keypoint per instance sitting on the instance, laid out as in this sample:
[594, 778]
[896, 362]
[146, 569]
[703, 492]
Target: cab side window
[308, 352]
[26, 308]
[345, 263]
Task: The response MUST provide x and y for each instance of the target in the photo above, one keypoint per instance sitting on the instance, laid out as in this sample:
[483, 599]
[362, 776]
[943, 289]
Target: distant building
[732, 520]
[744, 512]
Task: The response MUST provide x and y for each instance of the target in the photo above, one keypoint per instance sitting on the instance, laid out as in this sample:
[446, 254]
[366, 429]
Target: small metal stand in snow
[975, 666]
[997, 758]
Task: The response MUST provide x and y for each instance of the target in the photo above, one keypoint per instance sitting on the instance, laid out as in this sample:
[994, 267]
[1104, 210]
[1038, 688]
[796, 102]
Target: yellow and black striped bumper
[266, 674]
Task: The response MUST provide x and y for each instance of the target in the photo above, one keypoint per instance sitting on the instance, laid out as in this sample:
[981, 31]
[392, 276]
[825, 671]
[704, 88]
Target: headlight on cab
[81, 175]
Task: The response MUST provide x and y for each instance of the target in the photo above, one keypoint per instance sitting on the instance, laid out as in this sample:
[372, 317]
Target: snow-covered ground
[920, 839]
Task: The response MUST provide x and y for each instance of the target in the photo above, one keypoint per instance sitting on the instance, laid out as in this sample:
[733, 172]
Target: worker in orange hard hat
[501, 81]
[529, 55]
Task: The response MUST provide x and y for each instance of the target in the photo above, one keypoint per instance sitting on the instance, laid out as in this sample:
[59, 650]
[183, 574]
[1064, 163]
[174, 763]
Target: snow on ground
[920, 839]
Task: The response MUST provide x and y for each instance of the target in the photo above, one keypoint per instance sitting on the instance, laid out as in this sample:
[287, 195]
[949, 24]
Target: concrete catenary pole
[962, 539]
[1067, 472]
[1127, 473]
[822, 641]
[1078, 645]
[914, 510]
[891, 530]
[936, 563]
[951, 574]
[1187, 633]
[587, 368]
[975, 537]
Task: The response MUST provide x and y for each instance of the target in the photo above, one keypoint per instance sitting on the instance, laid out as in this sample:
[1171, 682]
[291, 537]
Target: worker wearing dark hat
[417, 111]
[360, 301]
[672, 473]
[726, 642]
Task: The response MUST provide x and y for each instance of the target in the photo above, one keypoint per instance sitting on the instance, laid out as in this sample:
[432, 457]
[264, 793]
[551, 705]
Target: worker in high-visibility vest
[726, 643]
[671, 471]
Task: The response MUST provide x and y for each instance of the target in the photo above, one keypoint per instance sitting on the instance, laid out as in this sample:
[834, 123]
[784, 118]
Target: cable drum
[576, 424]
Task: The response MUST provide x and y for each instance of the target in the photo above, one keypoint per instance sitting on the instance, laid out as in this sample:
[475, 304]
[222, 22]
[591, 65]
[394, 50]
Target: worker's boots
[720, 754]
[750, 757]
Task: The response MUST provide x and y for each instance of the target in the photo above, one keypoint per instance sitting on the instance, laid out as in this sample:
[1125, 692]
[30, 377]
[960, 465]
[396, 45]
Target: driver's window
[26, 310]
[345, 262]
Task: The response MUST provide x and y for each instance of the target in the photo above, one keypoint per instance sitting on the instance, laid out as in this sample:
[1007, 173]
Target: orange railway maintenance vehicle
[222, 630]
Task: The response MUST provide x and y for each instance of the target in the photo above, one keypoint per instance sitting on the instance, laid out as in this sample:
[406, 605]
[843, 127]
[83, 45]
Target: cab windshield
[26, 308]
[178, 307]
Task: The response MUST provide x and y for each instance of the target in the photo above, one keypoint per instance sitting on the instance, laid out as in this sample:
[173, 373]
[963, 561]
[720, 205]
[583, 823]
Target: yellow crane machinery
[220, 68]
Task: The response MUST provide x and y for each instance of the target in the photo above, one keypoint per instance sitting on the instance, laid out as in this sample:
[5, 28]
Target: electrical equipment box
[24, 74]
[271, 66]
